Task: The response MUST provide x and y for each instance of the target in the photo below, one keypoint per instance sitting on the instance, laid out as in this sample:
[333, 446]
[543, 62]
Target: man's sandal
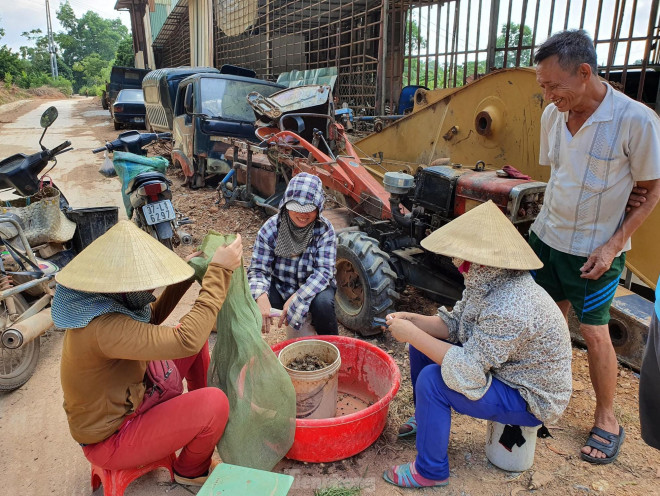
[610, 449]
[408, 428]
[406, 475]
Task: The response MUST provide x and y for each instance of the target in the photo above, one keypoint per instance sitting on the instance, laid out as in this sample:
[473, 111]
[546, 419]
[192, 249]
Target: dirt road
[38, 456]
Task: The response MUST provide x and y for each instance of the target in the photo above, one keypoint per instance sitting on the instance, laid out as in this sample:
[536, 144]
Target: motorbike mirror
[48, 117]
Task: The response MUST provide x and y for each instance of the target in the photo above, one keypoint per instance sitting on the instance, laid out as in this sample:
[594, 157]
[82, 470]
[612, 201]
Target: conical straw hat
[123, 260]
[484, 236]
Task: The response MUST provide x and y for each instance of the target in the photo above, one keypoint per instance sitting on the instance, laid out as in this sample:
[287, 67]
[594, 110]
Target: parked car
[209, 107]
[128, 108]
[121, 78]
[159, 88]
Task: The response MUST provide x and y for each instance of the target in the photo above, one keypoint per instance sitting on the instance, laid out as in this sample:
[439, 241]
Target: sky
[17, 16]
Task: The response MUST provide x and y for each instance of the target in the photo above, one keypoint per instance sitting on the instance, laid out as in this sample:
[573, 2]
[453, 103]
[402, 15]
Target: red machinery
[380, 253]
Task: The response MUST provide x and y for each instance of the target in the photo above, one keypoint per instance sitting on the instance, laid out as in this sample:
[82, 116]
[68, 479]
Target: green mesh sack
[129, 165]
[262, 401]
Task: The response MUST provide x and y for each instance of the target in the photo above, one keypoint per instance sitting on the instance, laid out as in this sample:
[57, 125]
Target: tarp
[325, 75]
[235, 16]
[129, 165]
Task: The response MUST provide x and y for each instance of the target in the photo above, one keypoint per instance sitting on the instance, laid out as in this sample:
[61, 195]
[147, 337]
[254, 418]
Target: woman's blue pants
[434, 401]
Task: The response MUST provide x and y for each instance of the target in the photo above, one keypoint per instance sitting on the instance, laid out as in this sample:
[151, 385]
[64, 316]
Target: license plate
[138, 119]
[155, 213]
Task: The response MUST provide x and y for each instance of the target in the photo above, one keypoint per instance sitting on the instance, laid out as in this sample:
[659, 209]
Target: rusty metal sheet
[289, 100]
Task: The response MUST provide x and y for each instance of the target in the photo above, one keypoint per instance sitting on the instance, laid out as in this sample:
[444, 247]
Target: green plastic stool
[231, 480]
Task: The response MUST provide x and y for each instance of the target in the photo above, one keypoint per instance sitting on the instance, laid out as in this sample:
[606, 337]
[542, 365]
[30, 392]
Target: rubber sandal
[610, 449]
[412, 423]
[406, 475]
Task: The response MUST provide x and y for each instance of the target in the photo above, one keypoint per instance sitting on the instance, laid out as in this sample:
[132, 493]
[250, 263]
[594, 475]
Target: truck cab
[159, 88]
[210, 107]
[121, 78]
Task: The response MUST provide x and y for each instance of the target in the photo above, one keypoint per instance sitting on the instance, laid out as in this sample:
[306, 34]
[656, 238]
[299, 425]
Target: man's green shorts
[560, 277]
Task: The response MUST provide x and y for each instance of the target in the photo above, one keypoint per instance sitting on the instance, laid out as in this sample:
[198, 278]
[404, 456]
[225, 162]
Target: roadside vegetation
[86, 49]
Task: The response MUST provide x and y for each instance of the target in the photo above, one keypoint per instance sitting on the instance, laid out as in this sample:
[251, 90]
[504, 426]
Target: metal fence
[449, 43]
[380, 46]
[172, 44]
[275, 36]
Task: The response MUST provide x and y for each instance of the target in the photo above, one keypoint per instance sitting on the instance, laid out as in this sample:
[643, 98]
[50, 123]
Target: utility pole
[51, 44]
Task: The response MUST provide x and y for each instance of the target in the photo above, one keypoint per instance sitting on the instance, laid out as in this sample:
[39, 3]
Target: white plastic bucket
[518, 459]
[316, 391]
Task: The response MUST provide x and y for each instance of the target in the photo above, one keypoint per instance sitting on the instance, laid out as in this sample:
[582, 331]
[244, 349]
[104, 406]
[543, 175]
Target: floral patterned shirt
[509, 328]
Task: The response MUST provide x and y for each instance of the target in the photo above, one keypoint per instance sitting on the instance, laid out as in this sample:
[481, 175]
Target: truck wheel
[365, 283]
[17, 366]
[198, 178]
[117, 125]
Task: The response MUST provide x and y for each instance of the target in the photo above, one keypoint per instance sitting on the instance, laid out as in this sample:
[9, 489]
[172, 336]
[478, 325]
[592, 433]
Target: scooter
[27, 281]
[148, 193]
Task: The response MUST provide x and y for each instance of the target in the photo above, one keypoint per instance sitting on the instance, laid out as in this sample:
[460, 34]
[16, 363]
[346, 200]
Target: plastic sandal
[406, 475]
[408, 428]
[610, 449]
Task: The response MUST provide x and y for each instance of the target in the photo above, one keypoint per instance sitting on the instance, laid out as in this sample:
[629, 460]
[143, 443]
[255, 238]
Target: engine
[439, 194]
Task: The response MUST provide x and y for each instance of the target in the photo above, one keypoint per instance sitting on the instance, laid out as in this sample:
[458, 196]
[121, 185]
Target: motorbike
[28, 268]
[148, 192]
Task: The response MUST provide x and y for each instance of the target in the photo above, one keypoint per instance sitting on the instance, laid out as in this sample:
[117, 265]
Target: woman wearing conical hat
[113, 329]
[503, 353]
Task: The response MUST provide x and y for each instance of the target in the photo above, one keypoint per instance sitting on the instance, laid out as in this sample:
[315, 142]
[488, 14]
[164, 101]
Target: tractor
[380, 225]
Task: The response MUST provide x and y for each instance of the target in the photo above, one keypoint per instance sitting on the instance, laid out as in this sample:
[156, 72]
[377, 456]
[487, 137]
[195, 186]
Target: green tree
[37, 52]
[413, 38]
[125, 56]
[82, 37]
[11, 65]
[90, 70]
[88, 34]
[514, 36]
[469, 71]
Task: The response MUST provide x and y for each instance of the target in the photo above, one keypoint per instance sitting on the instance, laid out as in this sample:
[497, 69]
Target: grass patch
[338, 491]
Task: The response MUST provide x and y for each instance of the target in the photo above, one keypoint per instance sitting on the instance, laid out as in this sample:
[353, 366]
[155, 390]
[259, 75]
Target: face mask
[462, 265]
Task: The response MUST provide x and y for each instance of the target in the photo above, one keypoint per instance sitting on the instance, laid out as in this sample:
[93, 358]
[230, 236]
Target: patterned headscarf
[74, 309]
[291, 239]
[303, 189]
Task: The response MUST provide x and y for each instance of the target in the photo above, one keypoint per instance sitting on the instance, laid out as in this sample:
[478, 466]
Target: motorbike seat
[145, 177]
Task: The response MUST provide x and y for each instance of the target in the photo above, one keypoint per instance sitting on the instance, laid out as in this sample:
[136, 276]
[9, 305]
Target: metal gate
[447, 44]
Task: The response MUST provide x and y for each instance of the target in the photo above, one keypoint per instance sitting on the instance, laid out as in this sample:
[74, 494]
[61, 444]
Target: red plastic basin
[367, 371]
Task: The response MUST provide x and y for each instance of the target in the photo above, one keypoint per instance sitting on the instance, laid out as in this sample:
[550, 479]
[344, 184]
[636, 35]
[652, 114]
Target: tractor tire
[17, 366]
[365, 283]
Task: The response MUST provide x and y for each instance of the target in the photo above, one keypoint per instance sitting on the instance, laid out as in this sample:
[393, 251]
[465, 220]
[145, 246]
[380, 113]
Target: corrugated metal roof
[159, 16]
[171, 23]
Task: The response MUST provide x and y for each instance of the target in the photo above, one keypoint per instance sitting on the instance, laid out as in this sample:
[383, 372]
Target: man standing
[599, 143]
